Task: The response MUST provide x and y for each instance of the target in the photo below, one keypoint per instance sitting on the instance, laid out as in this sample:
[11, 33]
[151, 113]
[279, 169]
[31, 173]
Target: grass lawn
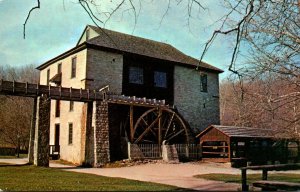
[31, 178]
[251, 177]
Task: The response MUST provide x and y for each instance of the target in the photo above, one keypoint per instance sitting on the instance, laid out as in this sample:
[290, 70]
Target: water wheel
[159, 124]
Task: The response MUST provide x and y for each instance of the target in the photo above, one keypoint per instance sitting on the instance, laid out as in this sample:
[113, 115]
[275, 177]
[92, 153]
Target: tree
[265, 52]
[15, 112]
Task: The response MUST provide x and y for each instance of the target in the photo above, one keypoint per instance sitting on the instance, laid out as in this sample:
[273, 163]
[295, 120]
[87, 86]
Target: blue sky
[57, 25]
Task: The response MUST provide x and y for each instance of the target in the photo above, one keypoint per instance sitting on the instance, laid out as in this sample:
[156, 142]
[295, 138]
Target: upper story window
[136, 75]
[160, 79]
[71, 107]
[73, 70]
[48, 76]
[59, 68]
[203, 81]
[87, 34]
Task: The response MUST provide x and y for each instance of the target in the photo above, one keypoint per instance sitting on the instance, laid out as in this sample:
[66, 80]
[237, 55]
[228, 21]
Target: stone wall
[101, 135]
[104, 68]
[199, 109]
[42, 128]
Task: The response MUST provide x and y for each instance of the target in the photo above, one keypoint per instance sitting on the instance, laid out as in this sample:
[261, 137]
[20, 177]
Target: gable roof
[243, 132]
[124, 43]
[146, 47]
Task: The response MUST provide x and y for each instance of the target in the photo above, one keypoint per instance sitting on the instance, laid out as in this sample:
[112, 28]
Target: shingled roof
[244, 132]
[141, 46]
[124, 43]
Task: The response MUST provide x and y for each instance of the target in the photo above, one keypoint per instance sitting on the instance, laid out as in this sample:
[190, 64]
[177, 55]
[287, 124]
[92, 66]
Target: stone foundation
[134, 152]
[169, 154]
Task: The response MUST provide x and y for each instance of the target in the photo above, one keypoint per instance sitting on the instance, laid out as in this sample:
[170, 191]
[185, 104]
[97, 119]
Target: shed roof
[141, 46]
[243, 132]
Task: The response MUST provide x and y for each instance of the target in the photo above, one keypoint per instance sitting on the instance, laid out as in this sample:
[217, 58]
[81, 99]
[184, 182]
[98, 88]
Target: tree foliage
[265, 56]
[16, 112]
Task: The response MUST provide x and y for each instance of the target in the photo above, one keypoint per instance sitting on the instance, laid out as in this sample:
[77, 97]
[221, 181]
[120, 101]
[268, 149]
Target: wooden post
[131, 124]
[298, 155]
[245, 187]
[264, 174]
[229, 150]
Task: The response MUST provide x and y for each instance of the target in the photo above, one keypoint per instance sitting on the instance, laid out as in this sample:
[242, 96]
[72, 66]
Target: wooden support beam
[131, 123]
[169, 124]
[147, 129]
[176, 134]
[159, 126]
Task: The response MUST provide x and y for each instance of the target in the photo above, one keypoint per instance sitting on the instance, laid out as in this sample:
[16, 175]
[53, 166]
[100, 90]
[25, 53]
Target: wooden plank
[215, 147]
[274, 185]
[278, 167]
[217, 153]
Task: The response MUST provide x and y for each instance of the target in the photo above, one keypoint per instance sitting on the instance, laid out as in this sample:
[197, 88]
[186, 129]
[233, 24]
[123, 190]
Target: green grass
[31, 178]
[229, 178]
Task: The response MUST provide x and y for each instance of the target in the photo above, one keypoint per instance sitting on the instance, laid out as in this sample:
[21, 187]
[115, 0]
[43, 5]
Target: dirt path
[180, 175]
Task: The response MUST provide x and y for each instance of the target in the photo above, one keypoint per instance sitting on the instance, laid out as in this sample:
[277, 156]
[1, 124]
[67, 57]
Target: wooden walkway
[70, 94]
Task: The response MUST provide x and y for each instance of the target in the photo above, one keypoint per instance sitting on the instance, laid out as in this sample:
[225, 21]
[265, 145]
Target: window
[160, 79]
[73, 70]
[136, 75]
[57, 108]
[48, 76]
[71, 106]
[87, 34]
[70, 133]
[59, 68]
[203, 78]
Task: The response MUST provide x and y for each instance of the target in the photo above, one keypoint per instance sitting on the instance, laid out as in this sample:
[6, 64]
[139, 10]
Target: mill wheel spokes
[159, 124]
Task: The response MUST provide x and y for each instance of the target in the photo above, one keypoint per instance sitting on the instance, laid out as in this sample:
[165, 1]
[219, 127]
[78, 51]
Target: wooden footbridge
[156, 124]
[72, 94]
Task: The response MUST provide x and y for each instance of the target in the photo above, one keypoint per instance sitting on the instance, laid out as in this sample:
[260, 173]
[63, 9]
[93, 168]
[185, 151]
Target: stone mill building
[129, 70]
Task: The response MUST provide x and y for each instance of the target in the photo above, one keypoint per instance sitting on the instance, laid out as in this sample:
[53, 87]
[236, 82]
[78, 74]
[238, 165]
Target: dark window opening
[48, 76]
[70, 133]
[73, 70]
[71, 106]
[136, 75]
[56, 139]
[203, 78]
[59, 68]
[87, 34]
[160, 79]
[57, 108]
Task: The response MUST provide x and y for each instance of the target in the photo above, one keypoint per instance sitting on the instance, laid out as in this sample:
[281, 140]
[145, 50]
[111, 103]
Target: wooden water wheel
[159, 124]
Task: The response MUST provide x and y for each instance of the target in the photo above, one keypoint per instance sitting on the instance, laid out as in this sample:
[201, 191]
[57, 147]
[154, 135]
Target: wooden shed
[240, 145]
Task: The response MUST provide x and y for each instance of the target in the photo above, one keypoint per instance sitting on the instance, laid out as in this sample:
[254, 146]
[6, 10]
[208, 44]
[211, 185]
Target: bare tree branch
[28, 15]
